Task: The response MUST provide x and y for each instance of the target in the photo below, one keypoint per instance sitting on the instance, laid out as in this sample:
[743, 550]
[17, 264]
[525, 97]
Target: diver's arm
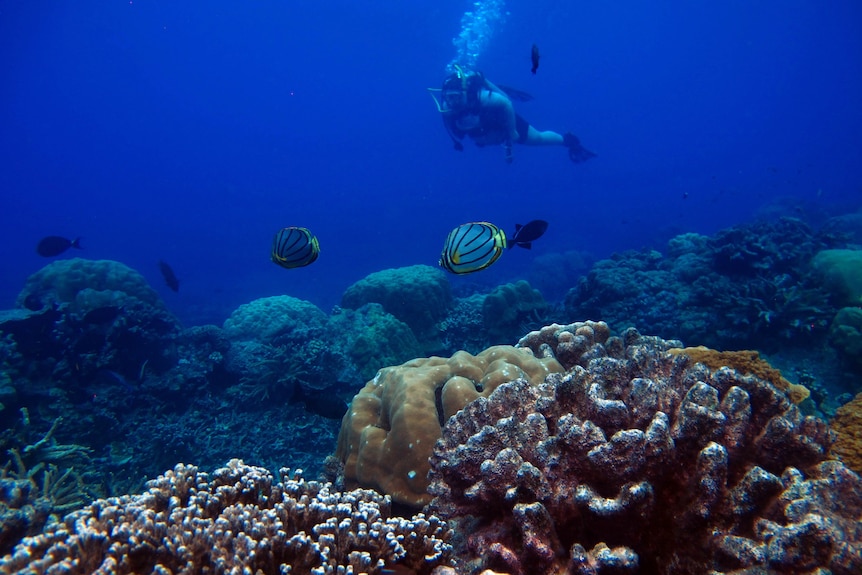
[454, 133]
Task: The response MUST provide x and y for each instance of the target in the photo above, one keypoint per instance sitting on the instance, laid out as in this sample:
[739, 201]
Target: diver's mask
[454, 96]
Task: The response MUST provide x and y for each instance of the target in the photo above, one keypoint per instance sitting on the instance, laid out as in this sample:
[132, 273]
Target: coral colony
[587, 448]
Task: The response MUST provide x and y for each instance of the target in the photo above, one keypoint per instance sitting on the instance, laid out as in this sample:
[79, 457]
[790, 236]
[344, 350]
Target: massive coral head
[641, 461]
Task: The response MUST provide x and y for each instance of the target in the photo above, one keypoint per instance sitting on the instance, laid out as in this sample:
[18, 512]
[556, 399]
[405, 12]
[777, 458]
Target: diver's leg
[530, 136]
[542, 137]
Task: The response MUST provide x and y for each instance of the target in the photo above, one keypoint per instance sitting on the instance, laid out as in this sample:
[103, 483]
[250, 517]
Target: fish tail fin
[76, 243]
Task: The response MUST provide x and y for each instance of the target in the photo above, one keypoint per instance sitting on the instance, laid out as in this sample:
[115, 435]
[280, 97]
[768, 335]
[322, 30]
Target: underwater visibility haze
[240, 230]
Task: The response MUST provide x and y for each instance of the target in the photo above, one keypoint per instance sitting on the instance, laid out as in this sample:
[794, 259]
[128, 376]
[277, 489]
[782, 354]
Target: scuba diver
[471, 105]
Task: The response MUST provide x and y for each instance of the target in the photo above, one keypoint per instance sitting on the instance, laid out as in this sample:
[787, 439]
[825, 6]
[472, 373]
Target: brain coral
[640, 461]
[389, 431]
[417, 295]
[238, 521]
[267, 318]
[62, 280]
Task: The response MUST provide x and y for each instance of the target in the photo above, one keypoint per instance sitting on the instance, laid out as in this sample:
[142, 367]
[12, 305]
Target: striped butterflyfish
[294, 247]
[472, 247]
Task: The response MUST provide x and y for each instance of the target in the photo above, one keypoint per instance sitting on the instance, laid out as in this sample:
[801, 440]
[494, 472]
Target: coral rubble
[640, 461]
[238, 521]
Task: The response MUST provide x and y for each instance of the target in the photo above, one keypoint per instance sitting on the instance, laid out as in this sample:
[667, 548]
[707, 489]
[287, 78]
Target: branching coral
[41, 478]
[639, 461]
[238, 521]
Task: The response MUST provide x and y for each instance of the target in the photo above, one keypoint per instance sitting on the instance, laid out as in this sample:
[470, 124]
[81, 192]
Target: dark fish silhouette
[534, 57]
[51, 246]
[170, 277]
[525, 235]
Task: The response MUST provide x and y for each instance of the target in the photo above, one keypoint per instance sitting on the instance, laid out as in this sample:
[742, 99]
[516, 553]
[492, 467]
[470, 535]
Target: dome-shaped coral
[417, 295]
[269, 317]
[63, 280]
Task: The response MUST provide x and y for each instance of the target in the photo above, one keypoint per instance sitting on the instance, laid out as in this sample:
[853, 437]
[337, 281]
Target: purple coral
[638, 461]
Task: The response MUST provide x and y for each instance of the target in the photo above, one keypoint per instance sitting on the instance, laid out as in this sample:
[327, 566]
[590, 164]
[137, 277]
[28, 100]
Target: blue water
[192, 131]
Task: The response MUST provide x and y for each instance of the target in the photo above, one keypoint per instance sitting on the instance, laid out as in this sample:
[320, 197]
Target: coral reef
[42, 478]
[641, 461]
[269, 318]
[847, 424]
[392, 424]
[417, 295]
[748, 286]
[747, 362]
[845, 334]
[238, 521]
[841, 273]
[62, 280]
[553, 273]
[464, 326]
[511, 310]
[370, 338]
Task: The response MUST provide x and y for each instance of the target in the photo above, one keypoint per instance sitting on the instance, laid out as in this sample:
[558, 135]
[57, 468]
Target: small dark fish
[294, 247]
[170, 277]
[534, 57]
[51, 246]
[472, 247]
[102, 314]
[525, 235]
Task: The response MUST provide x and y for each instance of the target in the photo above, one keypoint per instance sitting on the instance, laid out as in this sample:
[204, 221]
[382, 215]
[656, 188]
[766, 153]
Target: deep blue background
[192, 131]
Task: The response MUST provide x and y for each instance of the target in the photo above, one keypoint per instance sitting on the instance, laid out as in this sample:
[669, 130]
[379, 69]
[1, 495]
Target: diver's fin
[515, 94]
[577, 153]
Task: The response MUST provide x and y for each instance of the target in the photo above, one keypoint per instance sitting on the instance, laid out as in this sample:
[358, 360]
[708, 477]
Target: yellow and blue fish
[294, 247]
[472, 247]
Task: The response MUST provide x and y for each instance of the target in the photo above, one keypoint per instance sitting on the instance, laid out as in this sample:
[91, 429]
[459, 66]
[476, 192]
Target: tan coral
[389, 432]
[848, 425]
[747, 362]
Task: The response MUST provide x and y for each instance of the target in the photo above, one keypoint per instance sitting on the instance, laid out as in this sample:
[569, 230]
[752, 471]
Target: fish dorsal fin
[518, 228]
